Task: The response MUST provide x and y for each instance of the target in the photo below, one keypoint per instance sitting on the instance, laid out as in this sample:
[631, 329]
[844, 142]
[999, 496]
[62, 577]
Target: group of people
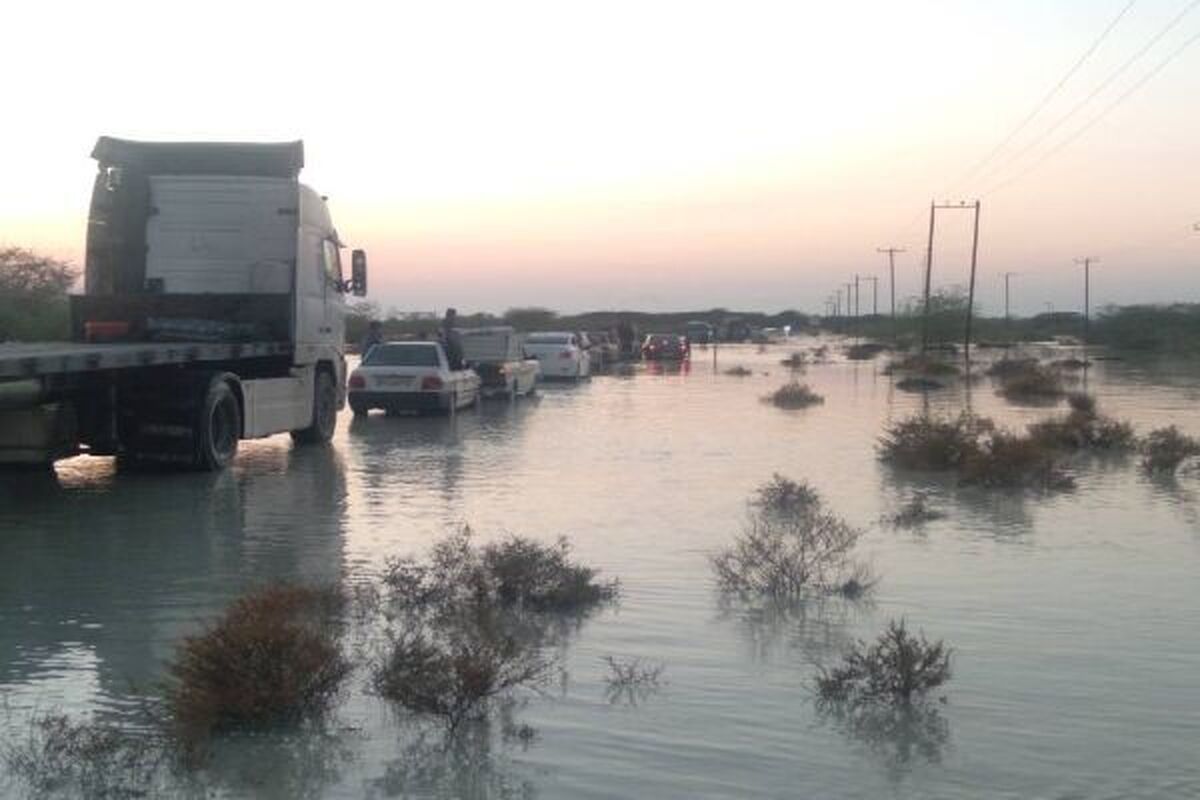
[448, 336]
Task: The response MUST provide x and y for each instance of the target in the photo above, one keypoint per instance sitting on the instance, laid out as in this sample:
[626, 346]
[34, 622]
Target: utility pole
[1007, 317]
[971, 290]
[849, 312]
[934, 207]
[874, 293]
[891, 252]
[1087, 262]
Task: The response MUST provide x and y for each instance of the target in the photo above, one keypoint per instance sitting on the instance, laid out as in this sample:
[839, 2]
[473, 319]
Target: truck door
[335, 302]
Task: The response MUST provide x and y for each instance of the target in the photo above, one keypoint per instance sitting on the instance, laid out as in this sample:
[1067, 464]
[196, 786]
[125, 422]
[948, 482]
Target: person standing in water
[374, 336]
[451, 340]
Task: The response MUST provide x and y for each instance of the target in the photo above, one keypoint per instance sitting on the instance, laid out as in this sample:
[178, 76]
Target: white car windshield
[548, 338]
[402, 355]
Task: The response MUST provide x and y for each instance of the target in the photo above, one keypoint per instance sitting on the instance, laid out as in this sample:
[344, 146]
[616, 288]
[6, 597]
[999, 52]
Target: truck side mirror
[358, 273]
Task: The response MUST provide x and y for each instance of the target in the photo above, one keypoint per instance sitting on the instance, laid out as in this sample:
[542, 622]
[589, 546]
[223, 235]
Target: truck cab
[210, 270]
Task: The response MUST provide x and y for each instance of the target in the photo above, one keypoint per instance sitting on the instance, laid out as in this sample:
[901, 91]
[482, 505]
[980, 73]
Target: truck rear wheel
[218, 428]
[324, 412]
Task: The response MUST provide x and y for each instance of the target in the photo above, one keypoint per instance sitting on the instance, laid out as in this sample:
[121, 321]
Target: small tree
[33, 293]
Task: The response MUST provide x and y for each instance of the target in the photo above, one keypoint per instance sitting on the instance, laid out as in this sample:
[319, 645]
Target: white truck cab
[213, 311]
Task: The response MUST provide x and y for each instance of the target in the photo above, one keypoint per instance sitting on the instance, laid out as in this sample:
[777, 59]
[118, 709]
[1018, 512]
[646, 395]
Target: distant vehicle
[665, 347]
[496, 355]
[561, 354]
[411, 376]
[604, 350]
[700, 333]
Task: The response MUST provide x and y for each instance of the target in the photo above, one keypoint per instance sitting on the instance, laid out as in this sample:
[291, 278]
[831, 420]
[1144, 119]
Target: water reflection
[817, 626]
[474, 762]
[147, 557]
[900, 737]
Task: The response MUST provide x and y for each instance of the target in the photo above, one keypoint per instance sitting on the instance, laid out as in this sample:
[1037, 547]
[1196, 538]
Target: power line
[1097, 90]
[1096, 119]
[1041, 104]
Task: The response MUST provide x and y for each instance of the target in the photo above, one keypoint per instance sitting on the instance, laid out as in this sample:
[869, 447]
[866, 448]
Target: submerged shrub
[781, 495]
[516, 573]
[917, 511]
[898, 668]
[794, 395]
[738, 371]
[1084, 428]
[932, 443]
[274, 655]
[921, 365]
[65, 757]
[1164, 449]
[916, 383]
[786, 550]
[542, 577]
[864, 351]
[631, 679]
[1033, 383]
[455, 672]
[1006, 460]
[796, 361]
[1008, 367]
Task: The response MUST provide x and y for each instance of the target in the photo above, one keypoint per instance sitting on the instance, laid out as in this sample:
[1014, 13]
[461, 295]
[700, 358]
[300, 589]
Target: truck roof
[265, 159]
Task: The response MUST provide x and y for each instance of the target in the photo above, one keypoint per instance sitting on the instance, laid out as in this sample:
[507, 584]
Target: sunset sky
[651, 155]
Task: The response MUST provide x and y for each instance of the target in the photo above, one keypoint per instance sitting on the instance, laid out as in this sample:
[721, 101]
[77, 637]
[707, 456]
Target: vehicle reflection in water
[121, 566]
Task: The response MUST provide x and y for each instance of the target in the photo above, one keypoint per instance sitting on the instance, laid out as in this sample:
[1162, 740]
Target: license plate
[394, 381]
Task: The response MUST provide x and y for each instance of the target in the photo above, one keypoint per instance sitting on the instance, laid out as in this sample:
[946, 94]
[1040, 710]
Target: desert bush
[541, 577]
[897, 669]
[820, 354]
[917, 511]
[794, 395]
[1071, 364]
[1006, 460]
[917, 383]
[274, 655]
[932, 443]
[921, 365]
[454, 672]
[796, 361]
[64, 757]
[783, 552]
[1007, 367]
[864, 351]
[516, 573]
[1035, 383]
[1084, 428]
[631, 680]
[1164, 449]
[738, 371]
[781, 495]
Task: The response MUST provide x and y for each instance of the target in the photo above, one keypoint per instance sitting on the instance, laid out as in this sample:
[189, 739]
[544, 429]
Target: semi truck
[212, 311]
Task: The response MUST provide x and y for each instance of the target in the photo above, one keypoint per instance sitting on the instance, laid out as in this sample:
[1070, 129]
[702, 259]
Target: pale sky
[650, 155]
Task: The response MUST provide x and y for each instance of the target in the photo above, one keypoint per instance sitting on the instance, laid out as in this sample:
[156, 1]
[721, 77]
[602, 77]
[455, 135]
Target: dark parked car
[665, 347]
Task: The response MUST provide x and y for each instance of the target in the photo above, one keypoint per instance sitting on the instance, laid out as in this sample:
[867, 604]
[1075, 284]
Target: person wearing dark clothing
[451, 339]
[374, 336]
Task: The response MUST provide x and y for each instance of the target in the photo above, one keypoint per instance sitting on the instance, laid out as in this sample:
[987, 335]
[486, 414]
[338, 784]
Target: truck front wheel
[324, 413]
[218, 428]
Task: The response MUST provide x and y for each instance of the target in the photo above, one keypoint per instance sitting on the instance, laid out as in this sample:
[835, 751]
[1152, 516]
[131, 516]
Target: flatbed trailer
[212, 312]
[49, 362]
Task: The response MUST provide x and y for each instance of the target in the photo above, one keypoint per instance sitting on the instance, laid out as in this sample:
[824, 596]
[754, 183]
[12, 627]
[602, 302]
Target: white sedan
[560, 355]
[410, 376]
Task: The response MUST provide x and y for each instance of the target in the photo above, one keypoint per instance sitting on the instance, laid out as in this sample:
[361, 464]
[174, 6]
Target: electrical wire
[1045, 101]
[1096, 119]
[1096, 91]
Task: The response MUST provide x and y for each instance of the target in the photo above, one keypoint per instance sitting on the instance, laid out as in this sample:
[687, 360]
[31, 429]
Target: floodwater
[1074, 618]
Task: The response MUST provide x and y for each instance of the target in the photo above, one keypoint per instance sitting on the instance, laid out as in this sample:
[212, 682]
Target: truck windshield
[402, 355]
